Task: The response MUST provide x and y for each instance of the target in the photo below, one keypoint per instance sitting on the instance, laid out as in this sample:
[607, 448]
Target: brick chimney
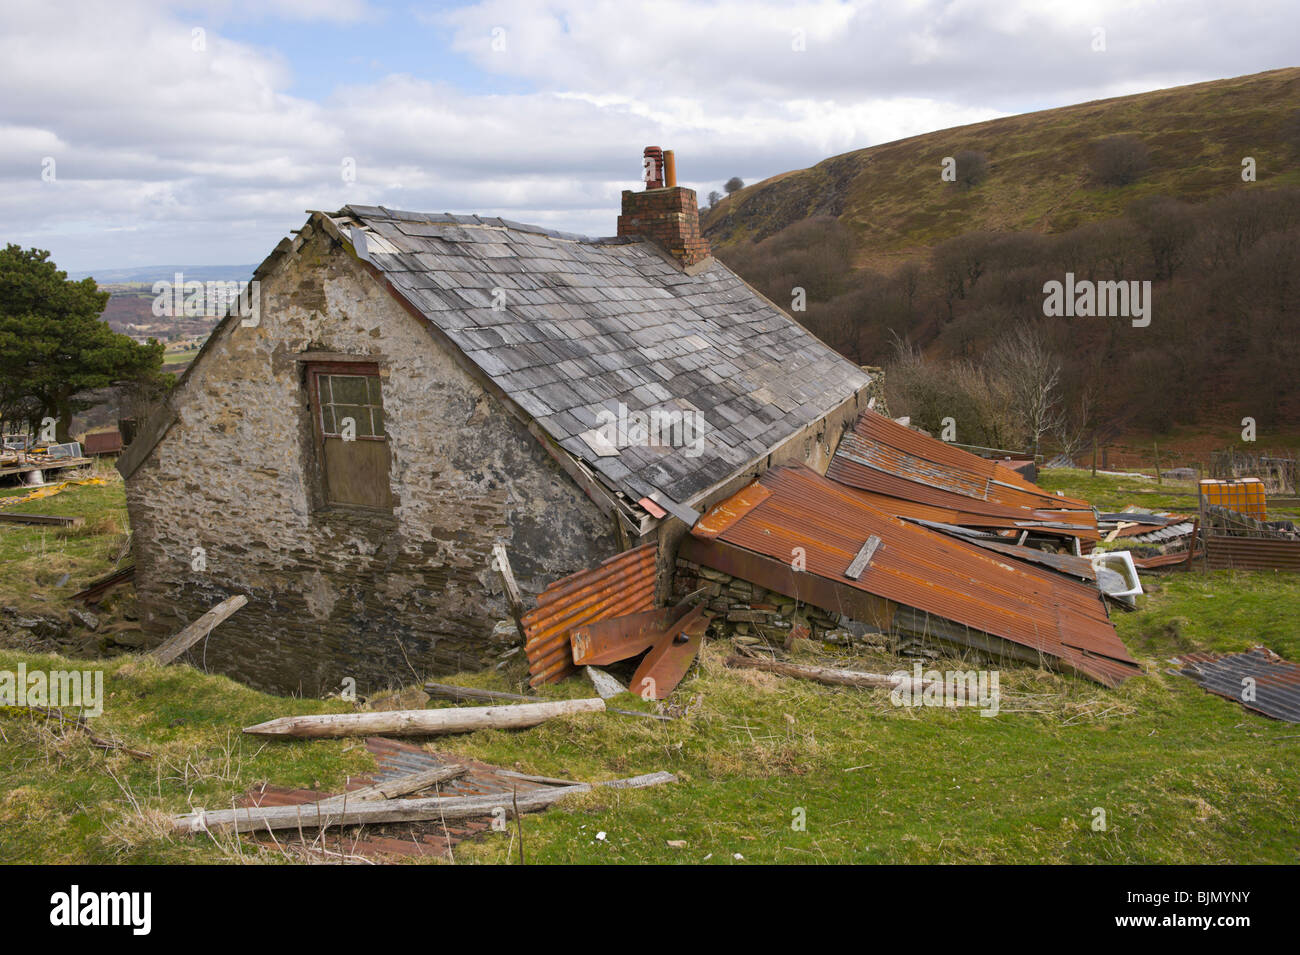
[665, 212]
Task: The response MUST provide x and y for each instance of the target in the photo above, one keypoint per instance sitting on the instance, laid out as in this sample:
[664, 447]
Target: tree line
[1221, 341]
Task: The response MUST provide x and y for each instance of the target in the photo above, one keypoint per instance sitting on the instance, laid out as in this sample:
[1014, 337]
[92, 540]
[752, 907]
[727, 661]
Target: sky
[146, 132]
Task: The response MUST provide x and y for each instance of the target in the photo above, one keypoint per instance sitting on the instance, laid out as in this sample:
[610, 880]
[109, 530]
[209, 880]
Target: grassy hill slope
[893, 200]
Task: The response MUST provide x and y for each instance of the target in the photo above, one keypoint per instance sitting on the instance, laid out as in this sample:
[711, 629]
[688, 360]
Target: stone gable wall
[334, 593]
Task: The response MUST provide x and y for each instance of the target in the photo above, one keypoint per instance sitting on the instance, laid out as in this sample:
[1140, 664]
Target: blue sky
[145, 132]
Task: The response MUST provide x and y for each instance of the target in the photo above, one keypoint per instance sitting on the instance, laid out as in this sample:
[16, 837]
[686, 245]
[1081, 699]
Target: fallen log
[828, 675]
[423, 722]
[170, 649]
[448, 691]
[321, 815]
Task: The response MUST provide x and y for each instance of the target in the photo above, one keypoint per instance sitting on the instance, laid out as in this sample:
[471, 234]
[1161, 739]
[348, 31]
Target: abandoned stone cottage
[413, 390]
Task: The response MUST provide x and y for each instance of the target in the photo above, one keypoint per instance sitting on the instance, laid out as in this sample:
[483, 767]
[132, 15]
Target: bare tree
[1032, 375]
[1071, 431]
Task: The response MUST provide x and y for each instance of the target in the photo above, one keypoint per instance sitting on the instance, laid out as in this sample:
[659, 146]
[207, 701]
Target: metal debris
[1258, 679]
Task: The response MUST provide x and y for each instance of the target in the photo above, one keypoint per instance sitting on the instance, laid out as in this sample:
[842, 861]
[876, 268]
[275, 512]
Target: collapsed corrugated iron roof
[910, 474]
[1032, 607]
[622, 585]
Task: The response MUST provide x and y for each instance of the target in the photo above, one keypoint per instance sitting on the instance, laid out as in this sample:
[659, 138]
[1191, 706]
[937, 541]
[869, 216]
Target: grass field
[1180, 775]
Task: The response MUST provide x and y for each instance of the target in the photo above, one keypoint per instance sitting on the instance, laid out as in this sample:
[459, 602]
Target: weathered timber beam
[171, 649]
[423, 722]
[320, 815]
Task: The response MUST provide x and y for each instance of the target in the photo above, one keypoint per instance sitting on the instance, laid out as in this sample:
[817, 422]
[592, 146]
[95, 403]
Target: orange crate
[1245, 496]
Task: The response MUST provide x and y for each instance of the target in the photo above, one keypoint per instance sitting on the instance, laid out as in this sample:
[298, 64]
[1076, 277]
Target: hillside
[891, 198]
[1183, 775]
[943, 281]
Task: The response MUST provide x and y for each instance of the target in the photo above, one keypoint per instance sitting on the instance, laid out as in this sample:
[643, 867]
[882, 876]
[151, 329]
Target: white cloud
[165, 151]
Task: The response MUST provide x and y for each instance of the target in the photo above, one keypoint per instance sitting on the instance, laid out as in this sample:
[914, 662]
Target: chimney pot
[653, 165]
[668, 215]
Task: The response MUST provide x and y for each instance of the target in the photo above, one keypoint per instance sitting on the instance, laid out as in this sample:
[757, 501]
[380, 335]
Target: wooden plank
[320, 815]
[828, 675]
[199, 629]
[448, 692]
[55, 520]
[401, 786]
[863, 558]
[424, 722]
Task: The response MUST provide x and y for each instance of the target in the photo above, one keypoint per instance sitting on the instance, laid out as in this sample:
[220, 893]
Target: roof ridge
[361, 213]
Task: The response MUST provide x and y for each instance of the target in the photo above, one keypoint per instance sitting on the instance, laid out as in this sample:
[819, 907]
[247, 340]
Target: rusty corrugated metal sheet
[1081, 523]
[624, 584]
[1034, 607]
[1276, 682]
[103, 442]
[1080, 567]
[1173, 559]
[1251, 553]
[885, 458]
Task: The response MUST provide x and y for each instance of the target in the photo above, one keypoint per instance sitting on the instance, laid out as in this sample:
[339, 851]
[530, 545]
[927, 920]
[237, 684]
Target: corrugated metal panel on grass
[622, 585]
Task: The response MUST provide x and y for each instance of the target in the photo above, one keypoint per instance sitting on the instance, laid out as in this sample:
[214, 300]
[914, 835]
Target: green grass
[34, 559]
[1183, 776]
[1108, 493]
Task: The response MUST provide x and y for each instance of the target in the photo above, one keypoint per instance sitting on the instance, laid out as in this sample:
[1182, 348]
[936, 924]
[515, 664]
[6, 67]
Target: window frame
[313, 369]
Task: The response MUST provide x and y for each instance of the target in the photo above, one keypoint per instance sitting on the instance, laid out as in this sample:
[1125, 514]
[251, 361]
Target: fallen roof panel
[953, 579]
[622, 585]
[1275, 682]
[885, 458]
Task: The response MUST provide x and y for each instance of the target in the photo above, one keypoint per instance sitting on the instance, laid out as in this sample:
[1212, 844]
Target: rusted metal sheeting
[965, 512]
[1164, 560]
[624, 584]
[103, 442]
[1274, 683]
[618, 638]
[1079, 567]
[952, 579]
[731, 510]
[1251, 553]
[668, 661]
[884, 457]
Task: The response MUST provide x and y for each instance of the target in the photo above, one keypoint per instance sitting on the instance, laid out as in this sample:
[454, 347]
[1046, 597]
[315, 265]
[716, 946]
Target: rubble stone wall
[748, 610]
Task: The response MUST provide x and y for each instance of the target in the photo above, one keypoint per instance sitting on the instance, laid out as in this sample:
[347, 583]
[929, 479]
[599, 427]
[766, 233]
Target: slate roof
[589, 323]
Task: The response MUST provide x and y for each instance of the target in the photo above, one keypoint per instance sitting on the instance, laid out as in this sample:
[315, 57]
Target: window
[348, 417]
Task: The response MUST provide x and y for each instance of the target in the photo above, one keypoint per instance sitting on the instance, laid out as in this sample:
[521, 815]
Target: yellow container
[1245, 496]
